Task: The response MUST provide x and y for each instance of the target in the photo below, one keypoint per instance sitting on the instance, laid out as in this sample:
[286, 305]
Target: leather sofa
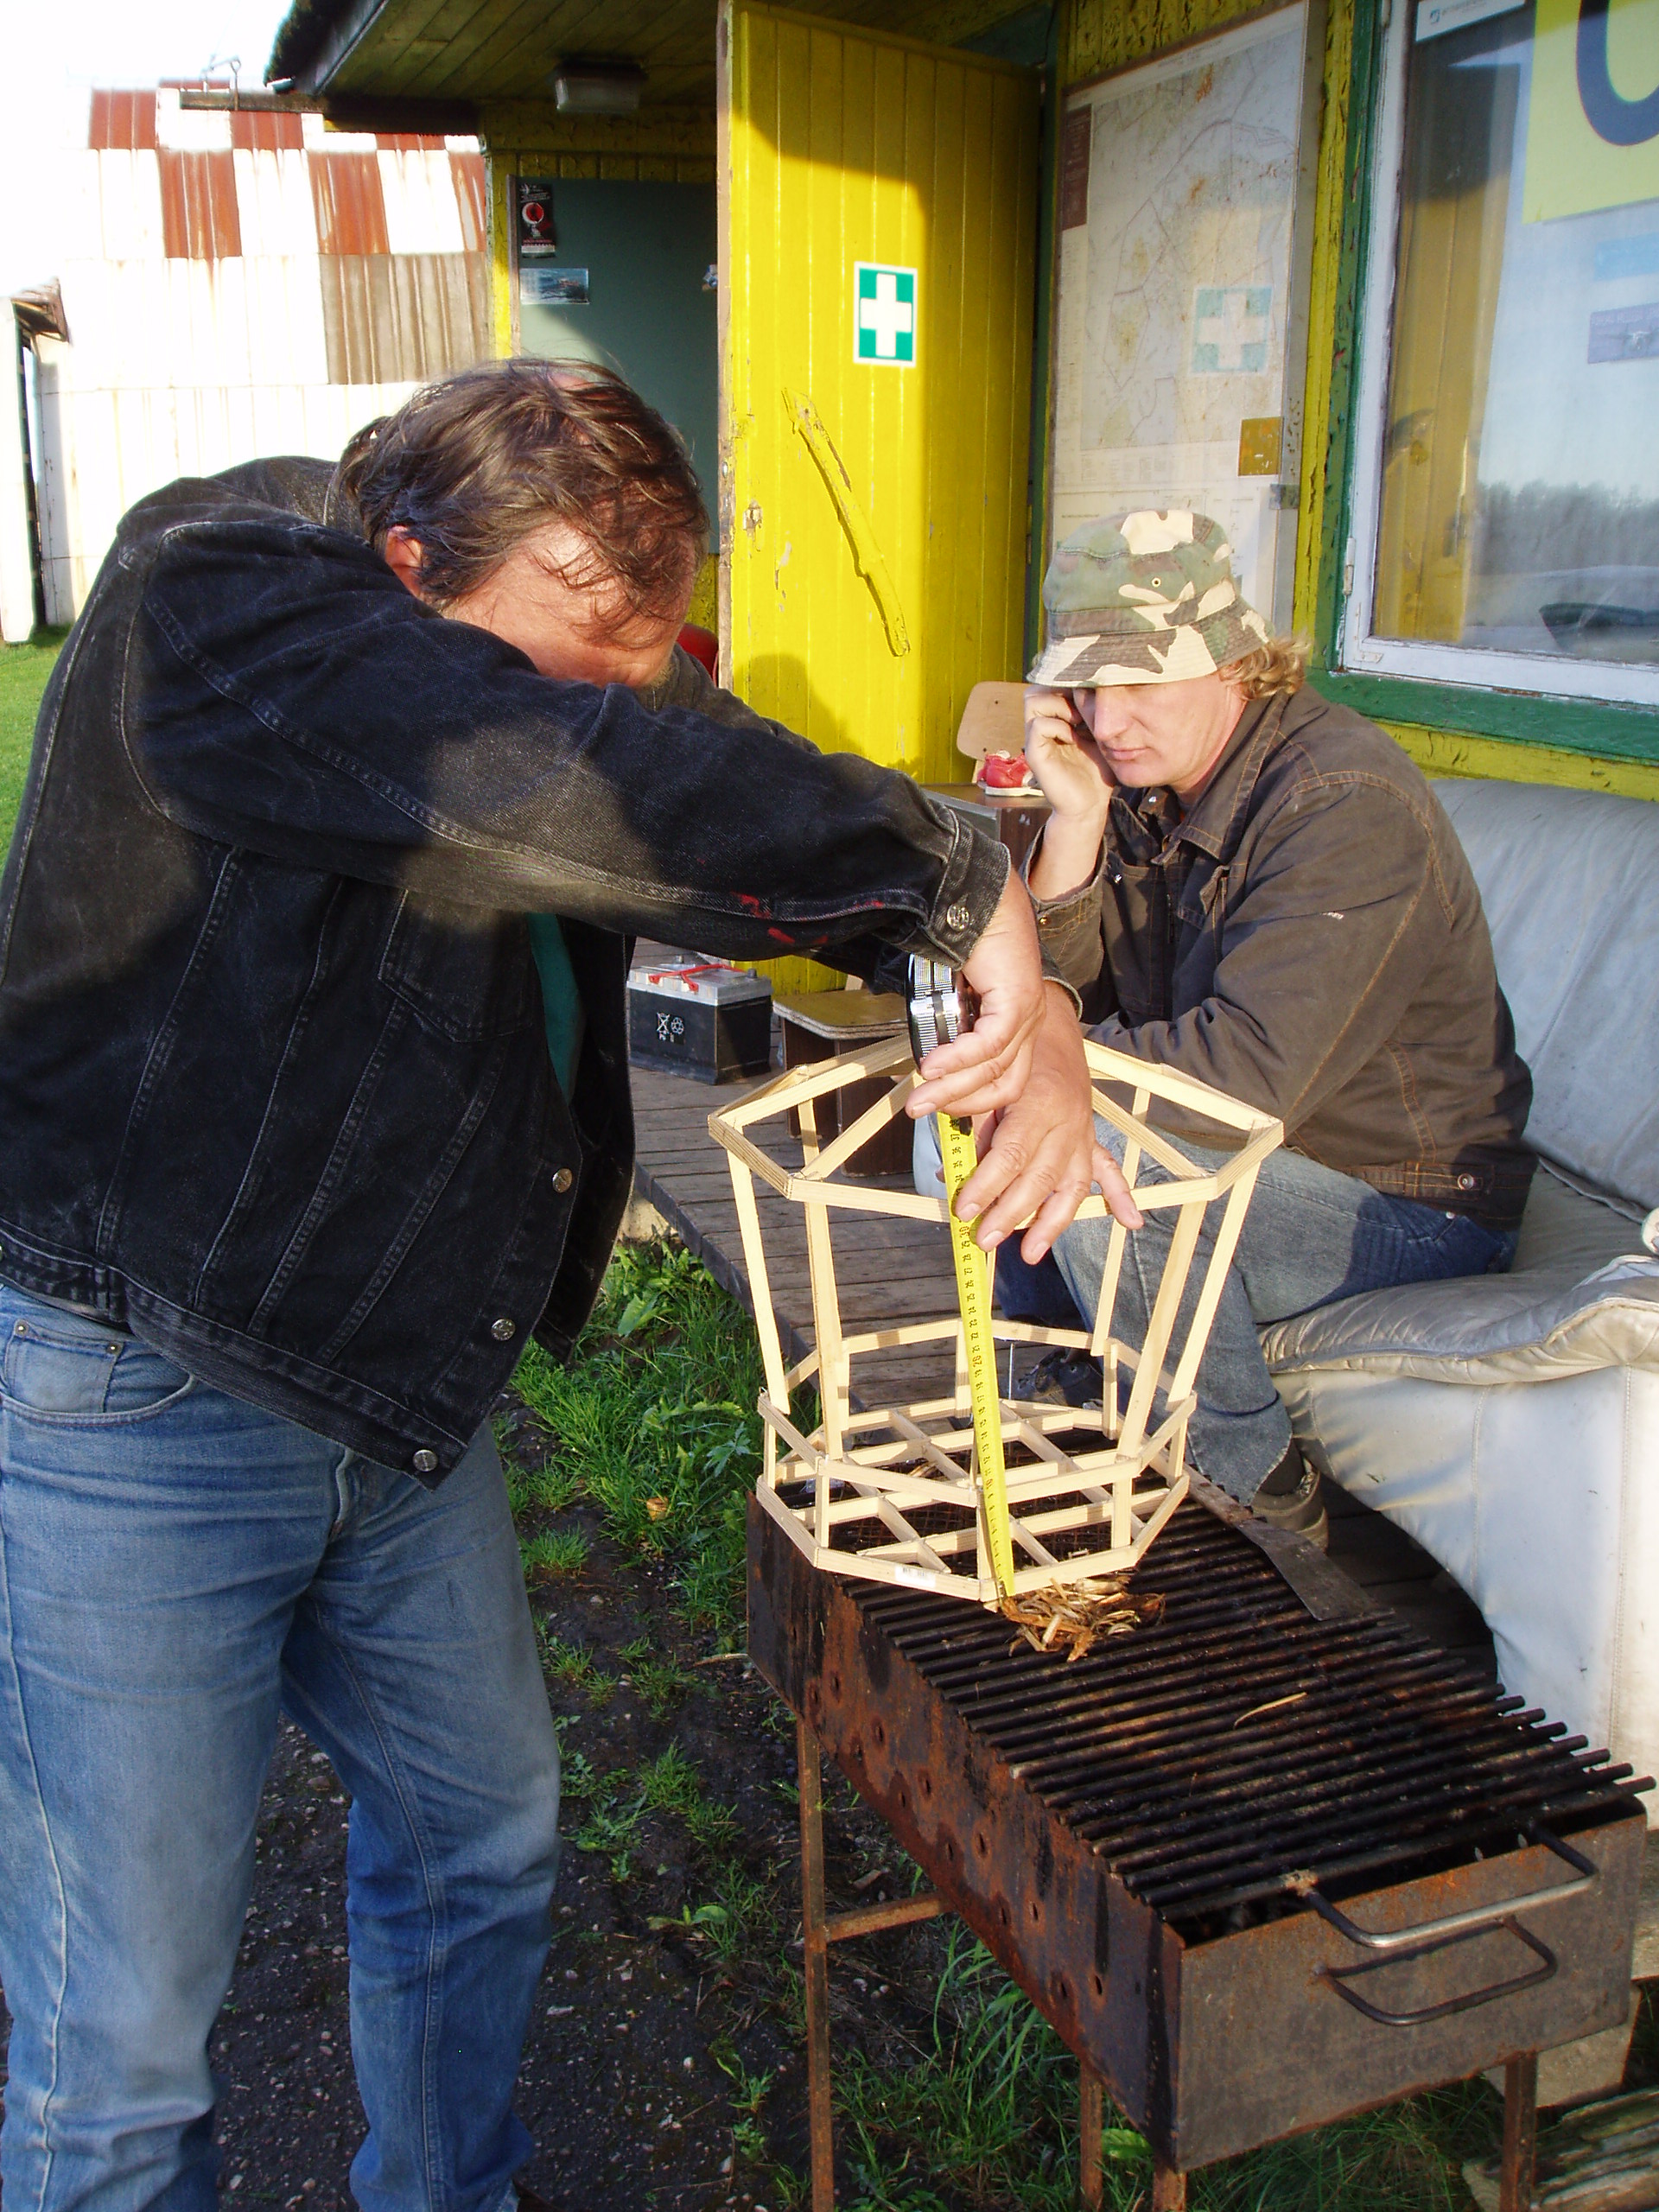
[1510, 1423]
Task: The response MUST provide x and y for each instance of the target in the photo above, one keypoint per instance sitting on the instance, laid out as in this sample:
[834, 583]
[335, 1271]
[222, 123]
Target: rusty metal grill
[1272, 1820]
[1224, 1758]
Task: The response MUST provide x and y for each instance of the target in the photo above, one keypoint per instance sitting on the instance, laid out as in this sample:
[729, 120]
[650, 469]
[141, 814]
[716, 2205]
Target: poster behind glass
[1180, 346]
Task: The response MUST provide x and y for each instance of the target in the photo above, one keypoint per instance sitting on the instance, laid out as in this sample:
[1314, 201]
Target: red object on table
[1006, 771]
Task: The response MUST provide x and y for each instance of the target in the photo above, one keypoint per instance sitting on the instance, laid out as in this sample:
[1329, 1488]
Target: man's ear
[403, 555]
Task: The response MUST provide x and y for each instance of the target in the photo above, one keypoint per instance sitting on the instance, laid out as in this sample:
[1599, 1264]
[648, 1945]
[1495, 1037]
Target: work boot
[1290, 1498]
[1060, 1378]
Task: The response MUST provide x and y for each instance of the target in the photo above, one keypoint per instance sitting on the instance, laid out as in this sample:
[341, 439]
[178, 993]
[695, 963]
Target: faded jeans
[175, 1569]
[1311, 1237]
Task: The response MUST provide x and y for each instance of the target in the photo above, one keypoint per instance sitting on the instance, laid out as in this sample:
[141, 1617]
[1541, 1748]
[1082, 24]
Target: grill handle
[1409, 1940]
[1339, 1976]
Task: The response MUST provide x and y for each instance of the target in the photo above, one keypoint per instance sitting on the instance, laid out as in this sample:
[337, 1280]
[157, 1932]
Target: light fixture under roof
[597, 85]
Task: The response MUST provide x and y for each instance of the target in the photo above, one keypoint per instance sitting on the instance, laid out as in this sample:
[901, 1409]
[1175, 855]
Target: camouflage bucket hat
[1143, 598]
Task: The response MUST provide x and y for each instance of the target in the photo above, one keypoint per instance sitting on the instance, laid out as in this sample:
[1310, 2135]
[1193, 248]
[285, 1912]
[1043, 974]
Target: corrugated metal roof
[209, 323]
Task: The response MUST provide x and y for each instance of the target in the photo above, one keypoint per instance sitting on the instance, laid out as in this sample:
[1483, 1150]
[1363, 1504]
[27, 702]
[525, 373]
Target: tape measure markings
[959, 1160]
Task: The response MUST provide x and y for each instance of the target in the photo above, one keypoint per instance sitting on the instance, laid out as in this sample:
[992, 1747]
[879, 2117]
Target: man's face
[579, 632]
[1153, 734]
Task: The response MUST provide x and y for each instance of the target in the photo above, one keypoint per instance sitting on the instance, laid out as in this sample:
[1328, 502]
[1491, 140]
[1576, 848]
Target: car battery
[700, 1018]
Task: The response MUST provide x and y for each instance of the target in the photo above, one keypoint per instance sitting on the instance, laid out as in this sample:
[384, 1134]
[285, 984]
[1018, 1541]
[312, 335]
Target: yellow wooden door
[878, 250]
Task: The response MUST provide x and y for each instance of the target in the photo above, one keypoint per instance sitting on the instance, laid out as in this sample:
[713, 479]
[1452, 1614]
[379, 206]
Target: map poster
[1177, 301]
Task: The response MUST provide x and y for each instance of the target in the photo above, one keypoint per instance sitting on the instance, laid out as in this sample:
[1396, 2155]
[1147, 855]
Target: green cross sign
[884, 314]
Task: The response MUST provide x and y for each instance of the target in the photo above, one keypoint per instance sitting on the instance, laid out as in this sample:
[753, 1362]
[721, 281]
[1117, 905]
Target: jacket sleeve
[1323, 947]
[284, 693]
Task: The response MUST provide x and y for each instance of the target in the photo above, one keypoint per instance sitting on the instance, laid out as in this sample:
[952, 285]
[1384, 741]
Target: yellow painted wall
[877, 539]
[1100, 35]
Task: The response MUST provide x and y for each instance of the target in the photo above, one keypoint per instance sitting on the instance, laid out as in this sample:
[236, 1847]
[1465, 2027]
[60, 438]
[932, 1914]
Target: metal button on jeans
[504, 1330]
[563, 1179]
[426, 1463]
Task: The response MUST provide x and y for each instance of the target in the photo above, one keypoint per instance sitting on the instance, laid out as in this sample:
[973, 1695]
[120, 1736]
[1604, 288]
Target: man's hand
[1044, 1153]
[985, 1070]
[1076, 781]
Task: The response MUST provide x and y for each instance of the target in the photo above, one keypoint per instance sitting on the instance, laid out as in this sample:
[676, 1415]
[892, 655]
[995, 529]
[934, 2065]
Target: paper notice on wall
[1592, 123]
[1174, 292]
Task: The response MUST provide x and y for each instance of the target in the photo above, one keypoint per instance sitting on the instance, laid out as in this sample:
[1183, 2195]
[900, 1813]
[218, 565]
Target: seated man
[1258, 889]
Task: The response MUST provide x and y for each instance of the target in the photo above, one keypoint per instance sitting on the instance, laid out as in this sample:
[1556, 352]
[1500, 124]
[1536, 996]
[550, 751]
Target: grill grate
[1221, 1757]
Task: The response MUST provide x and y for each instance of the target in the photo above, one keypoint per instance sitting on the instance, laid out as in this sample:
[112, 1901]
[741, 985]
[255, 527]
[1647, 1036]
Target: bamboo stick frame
[873, 1474]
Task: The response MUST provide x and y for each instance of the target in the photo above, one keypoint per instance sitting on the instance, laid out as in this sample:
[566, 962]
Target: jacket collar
[1215, 825]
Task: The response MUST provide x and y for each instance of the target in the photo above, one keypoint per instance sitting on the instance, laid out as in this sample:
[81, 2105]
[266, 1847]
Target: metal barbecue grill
[1265, 1861]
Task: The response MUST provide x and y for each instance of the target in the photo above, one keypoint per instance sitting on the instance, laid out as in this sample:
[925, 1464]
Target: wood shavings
[1073, 1619]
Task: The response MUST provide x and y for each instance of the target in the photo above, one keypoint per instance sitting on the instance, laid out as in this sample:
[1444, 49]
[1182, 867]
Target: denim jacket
[274, 1089]
[1309, 938]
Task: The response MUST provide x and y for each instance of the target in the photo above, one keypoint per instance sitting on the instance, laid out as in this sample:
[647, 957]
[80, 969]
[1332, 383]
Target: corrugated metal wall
[245, 285]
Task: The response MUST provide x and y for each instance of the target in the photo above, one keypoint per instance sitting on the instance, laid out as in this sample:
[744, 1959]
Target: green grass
[23, 671]
[985, 2113]
[573, 1666]
[654, 1422]
[554, 1553]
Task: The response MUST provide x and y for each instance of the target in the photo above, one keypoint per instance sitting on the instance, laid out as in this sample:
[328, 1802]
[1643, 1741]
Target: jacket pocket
[76, 1374]
[465, 971]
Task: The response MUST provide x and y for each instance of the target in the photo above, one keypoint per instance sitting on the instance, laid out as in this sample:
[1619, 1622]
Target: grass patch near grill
[986, 2115]
[654, 1422]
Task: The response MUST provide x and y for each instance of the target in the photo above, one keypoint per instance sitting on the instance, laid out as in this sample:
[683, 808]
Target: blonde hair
[1281, 665]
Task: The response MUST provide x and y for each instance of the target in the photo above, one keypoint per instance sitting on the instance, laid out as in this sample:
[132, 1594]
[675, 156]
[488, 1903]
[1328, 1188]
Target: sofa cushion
[1570, 882]
[1483, 1329]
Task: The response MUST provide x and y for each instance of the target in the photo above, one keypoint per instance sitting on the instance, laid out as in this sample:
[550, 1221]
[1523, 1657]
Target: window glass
[1519, 493]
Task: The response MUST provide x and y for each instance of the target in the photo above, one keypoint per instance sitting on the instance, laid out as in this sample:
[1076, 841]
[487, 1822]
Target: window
[1506, 510]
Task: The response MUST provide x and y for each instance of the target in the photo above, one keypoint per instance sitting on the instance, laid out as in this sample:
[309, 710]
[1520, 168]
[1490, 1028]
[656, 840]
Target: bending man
[300, 1141]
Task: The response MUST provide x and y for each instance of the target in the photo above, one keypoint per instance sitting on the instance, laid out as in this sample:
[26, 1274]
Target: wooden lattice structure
[891, 1492]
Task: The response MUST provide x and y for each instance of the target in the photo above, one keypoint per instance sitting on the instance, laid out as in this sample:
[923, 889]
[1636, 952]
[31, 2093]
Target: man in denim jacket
[303, 1132]
[1257, 888]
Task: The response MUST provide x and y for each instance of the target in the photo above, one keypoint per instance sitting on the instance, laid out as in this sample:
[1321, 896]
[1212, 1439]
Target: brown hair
[1280, 665]
[473, 466]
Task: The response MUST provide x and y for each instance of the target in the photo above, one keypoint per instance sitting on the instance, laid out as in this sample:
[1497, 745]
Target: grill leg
[1091, 2118]
[1520, 2134]
[1168, 2188]
[816, 1936]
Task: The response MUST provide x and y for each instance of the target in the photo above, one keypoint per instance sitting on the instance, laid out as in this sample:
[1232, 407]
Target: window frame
[1412, 679]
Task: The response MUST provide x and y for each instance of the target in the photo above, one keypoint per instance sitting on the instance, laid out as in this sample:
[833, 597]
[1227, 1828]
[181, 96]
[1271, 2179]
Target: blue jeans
[175, 1569]
[1310, 1238]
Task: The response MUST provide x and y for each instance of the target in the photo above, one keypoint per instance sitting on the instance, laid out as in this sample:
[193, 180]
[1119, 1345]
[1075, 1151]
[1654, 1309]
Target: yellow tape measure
[973, 1294]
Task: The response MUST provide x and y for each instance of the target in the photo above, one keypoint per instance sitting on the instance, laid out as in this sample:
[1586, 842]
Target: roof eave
[318, 37]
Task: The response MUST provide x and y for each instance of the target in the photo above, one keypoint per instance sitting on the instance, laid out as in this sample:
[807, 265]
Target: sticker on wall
[884, 314]
[1593, 119]
[1232, 325]
[1436, 18]
[538, 240]
[541, 287]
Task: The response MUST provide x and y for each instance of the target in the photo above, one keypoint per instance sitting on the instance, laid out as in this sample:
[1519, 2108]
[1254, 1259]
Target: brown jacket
[1310, 939]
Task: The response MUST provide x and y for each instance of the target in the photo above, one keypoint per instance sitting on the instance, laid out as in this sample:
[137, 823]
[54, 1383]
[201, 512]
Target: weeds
[553, 1553]
[663, 1683]
[542, 1490]
[572, 1665]
[655, 1422]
